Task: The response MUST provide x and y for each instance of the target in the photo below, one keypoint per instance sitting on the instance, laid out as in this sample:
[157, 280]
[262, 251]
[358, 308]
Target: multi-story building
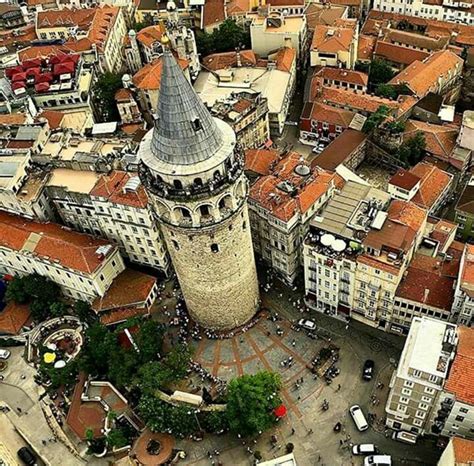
[458, 452]
[194, 171]
[277, 30]
[114, 206]
[83, 266]
[335, 45]
[274, 79]
[463, 306]
[420, 376]
[446, 10]
[357, 251]
[100, 29]
[454, 413]
[281, 206]
[127, 107]
[465, 211]
[247, 114]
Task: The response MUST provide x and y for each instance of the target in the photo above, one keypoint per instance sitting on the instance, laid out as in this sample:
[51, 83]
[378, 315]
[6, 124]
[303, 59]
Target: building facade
[192, 167]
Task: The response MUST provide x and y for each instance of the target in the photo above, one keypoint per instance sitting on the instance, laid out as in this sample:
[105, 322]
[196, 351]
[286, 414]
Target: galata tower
[193, 168]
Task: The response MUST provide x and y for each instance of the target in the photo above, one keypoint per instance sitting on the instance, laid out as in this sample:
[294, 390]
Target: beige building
[247, 114]
[113, 206]
[422, 371]
[83, 266]
[335, 45]
[281, 206]
[458, 452]
[231, 72]
[270, 33]
[463, 306]
[102, 29]
[194, 172]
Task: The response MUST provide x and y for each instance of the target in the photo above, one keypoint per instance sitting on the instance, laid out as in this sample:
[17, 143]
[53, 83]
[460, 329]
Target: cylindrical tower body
[194, 172]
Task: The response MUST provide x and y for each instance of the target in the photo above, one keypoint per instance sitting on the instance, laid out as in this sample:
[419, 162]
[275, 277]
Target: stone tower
[193, 168]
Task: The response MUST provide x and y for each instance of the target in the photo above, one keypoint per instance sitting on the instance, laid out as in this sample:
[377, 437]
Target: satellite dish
[59, 364]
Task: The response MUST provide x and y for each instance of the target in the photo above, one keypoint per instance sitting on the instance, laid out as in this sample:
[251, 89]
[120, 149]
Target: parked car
[368, 369]
[2, 377]
[27, 456]
[307, 324]
[406, 437]
[4, 354]
[378, 460]
[358, 418]
[364, 449]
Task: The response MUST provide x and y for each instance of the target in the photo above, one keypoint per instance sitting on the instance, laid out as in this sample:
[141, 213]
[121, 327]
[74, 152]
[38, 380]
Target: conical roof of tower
[185, 132]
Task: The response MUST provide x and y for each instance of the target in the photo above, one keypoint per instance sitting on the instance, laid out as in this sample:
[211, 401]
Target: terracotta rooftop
[325, 113]
[221, 61]
[427, 283]
[398, 53]
[261, 161]
[433, 183]
[322, 14]
[129, 289]
[121, 315]
[13, 119]
[463, 450]
[213, 12]
[466, 201]
[338, 74]
[73, 250]
[45, 51]
[285, 58]
[422, 76]
[365, 47]
[416, 40]
[114, 188]
[149, 35]
[148, 78]
[271, 192]
[286, 2]
[460, 381]
[404, 179]
[332, 39]
[339, 150]
[467, 272]
[123, 95]
[53, 117]
[13, 318]
[238, 7]
[440, 139]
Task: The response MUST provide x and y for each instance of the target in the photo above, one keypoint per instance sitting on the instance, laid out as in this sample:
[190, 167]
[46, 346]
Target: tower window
[197, 124]
[175, 244]
[204, 209]
[214, 247]
[198, 181]
[177, 184]
[185, 212]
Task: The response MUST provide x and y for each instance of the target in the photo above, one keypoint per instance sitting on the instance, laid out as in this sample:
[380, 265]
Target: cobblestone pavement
[314, 439]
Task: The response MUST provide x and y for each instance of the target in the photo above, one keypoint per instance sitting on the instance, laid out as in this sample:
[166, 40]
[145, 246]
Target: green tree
[41, 288]
[104, 96]
[205, 43]
[83, 311]
[60, 377]
[177, 360]
[154, 375]
[99, 344]
[412, 150]
[375, 119]
[395, 127]
[387, 91]
[214, 421]
[160, 416]
[149, 340]
[123, 364]
[380, 73]
[251, 400]
[116, 438]
[58, 309]
[227, 37]
[16, 291]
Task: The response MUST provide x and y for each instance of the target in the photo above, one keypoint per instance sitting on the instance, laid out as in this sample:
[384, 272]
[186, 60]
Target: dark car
[368, 369]
[27, 456]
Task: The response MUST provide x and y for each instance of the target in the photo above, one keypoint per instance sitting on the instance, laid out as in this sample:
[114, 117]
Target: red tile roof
[333, 39]
[13, 119]
[121, 315]
[123, 95]
[220, 61]
[463, 450]
[427, 283]
[53, 117]
[285, 59]
[213, 13]
[421, 77]
[268, 193]
[365, 48]
[404, 179]
[433, 183]
[112, 187]
[460, 381]
[149, 35]
[398, 53]
[129, 289]
[324, 75]
[330, 115]
[149, 77]
[261, 161]
[73, 250]
[14, 317]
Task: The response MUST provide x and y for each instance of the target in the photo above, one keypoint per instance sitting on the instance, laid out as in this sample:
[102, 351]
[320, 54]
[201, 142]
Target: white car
[358, 418]
[4, 354]
[378, 460]
[307, 324]
[364, 449]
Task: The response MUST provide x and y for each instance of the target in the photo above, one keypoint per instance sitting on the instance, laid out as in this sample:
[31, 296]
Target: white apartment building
[420, 376]
[114, 206]
[84, 267]
[281, 205]
[357, 251]
[448, 10]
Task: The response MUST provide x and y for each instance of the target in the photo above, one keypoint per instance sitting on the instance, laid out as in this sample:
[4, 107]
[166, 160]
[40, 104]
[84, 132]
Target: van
[358, 418]
[4, 354]
[27, 456]
[406, 437]
[378, 460]
[364, 449]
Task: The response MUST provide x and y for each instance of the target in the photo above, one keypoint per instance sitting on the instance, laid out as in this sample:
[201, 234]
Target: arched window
[177, 184]
[217, 174]
[175, 244]
[214, 247]
[198, 182]
[204, 210]
[185, 212]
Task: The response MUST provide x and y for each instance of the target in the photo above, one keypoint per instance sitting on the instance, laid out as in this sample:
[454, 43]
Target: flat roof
[74, 180]
[424, 347]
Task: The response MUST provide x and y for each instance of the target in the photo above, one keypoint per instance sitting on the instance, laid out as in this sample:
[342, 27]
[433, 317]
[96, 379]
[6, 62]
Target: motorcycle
[337, 427]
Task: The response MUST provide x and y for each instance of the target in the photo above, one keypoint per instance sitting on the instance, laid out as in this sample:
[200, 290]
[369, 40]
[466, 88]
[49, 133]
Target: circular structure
[302, 170]
[49, 357]
[151, 449]
[339, 245]
[193, 169]
[327, 239]
[60, 364]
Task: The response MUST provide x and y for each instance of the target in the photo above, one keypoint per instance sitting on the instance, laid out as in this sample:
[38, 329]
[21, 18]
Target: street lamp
[195, 417]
